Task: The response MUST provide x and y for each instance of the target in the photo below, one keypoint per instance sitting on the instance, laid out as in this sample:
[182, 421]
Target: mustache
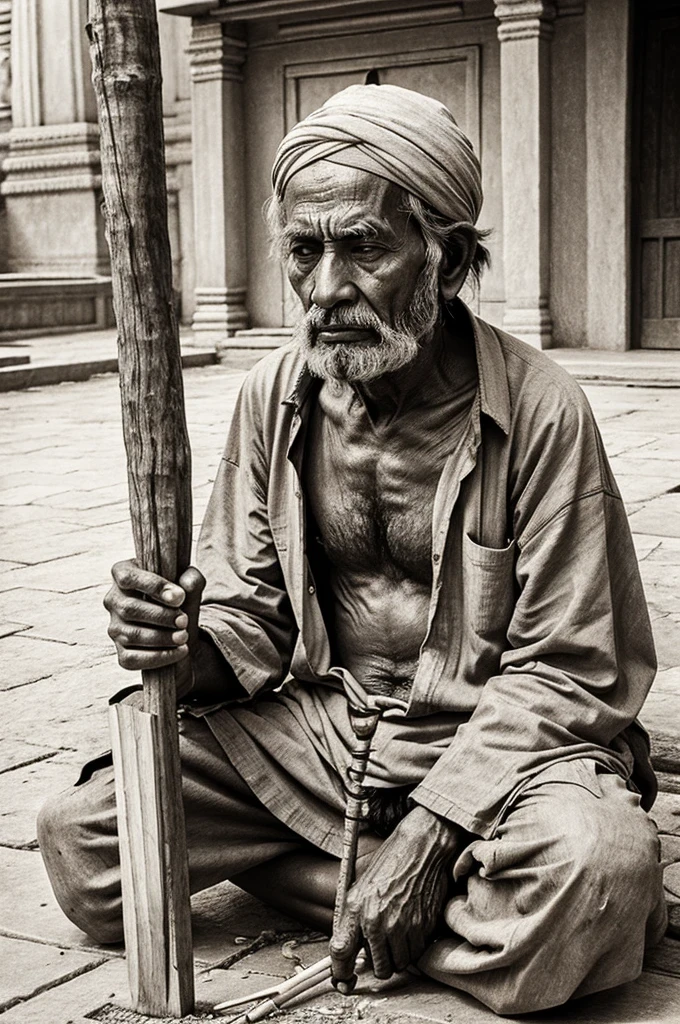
[316, 318]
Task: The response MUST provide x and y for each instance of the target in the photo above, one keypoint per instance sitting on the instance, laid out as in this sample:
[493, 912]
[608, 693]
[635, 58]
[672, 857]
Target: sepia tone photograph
[340, 511]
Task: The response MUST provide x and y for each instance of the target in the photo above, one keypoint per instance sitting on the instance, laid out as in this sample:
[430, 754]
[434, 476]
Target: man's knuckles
[125, 574]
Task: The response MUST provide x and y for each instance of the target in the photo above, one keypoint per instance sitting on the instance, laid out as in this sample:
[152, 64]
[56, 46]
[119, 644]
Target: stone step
[13, 378]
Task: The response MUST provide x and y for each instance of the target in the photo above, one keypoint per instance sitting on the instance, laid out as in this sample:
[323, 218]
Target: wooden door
[658, 197]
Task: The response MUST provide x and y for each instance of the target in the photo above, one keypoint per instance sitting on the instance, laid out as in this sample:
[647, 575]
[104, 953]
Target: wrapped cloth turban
[410, 139]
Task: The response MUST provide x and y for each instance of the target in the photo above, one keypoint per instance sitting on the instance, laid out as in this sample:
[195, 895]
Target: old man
[414, 509]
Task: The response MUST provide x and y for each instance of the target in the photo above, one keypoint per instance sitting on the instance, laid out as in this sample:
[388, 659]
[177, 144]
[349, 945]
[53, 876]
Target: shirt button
[311, 589]
[435, 557]
[297, 494]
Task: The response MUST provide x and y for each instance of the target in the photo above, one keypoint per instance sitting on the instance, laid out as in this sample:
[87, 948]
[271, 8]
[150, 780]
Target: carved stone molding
[62, 158]
[5, 59]
[55, 136]
[258, 10]
[215, 54]
[525, 19]
[376, 21]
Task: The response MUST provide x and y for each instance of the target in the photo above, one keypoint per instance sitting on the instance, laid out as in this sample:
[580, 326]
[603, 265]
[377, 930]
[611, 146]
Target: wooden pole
[127, 79]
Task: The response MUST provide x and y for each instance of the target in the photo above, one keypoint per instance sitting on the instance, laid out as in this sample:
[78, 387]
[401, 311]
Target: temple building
[572, 106]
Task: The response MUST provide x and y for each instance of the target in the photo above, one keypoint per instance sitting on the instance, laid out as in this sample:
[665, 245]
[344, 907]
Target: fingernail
[182, 621]
[172, 595]
[180, 637]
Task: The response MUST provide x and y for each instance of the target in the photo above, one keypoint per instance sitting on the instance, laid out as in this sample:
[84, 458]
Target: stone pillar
[5, 63]
[608, 65]
[52, 180]
[524, 30]
[217, 54]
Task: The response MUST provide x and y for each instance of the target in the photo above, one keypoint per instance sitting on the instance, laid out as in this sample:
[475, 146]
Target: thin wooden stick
[126, 73]
[313, 986]
[289, 985]
[364, 722]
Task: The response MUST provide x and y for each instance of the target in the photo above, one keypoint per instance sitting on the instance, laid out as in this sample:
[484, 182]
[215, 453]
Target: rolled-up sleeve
[245, 607]
[579, 658]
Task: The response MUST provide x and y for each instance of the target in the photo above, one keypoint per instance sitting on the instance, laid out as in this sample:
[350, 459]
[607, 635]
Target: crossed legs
[560, 901]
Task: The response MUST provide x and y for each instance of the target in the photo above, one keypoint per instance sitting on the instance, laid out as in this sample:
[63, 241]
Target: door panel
[659, 195]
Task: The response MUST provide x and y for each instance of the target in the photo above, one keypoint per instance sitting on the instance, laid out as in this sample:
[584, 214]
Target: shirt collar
[494, 394]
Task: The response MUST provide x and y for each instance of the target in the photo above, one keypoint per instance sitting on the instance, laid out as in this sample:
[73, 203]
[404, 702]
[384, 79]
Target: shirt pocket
[488, 587]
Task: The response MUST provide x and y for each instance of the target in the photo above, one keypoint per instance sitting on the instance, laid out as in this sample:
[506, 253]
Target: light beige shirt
[538, 646]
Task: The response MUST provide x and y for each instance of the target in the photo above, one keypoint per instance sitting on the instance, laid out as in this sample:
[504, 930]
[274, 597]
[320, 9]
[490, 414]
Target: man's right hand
[153, 622]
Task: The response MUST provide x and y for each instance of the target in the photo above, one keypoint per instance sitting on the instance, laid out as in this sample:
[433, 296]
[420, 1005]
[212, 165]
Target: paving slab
[61, 575]
[29, 658]
[668, 551]
[22, 794]
[666, 813]
[16, 751]
[29, 968]
[29, 910]
[224, 915]
[11, 628]
[68, 708]
[78, 618]
[68, 1003]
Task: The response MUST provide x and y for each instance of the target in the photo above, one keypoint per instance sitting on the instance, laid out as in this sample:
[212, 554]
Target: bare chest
[372, 494]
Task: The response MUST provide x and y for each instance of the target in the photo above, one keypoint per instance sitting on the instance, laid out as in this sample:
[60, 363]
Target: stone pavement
[63, 521]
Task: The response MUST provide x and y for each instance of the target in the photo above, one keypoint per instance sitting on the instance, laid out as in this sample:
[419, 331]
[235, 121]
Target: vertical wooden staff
[127, 79]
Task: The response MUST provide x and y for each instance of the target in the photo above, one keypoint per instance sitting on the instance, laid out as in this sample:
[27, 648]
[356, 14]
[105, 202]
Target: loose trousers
[560, 901]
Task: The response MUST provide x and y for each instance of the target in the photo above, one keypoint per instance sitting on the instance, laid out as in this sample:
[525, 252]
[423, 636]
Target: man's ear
[456, 264]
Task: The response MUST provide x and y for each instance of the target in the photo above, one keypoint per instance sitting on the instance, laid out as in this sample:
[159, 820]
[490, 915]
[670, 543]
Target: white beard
[395, 347]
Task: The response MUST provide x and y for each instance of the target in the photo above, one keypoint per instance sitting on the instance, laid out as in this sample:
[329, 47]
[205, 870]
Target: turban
[397, 134]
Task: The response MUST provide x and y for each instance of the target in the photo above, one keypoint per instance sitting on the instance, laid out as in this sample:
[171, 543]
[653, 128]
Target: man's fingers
[128, 576]
[130, 608]
[344, 947]
[383, 966]
[127, 634]
[193, 583]
[135, 659]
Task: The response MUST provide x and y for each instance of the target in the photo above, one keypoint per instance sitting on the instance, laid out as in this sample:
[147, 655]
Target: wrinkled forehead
[327, 194]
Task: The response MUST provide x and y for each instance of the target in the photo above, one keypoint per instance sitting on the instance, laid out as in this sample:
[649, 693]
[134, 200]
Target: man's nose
[333, 282]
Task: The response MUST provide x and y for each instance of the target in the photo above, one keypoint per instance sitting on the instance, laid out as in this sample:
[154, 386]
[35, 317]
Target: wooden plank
[658, 227]
[125, 55]
[134, 741]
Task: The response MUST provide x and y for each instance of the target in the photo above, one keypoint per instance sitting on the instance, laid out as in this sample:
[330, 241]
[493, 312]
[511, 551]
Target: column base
[220, 311]
[532, 324]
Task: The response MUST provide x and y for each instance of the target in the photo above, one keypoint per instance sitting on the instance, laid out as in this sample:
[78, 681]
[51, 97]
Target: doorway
[656, 192]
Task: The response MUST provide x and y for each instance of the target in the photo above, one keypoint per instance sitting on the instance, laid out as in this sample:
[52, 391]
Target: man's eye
[366, 250]
[303, 252]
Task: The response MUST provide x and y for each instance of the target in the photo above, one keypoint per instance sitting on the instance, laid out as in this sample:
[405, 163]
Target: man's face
[359, 266]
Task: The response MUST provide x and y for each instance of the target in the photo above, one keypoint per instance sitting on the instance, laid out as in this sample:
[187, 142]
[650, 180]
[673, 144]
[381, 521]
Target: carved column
[52, 180]
[217, 54]
[524, 29]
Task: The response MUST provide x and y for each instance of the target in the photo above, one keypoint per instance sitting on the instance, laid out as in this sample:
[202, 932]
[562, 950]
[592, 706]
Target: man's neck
[433, 376]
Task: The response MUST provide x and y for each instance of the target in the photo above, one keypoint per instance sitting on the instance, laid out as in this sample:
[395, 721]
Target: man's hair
[443, 233]
[440, 233]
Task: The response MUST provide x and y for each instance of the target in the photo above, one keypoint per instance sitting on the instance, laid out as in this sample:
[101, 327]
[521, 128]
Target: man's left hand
[394, 908]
